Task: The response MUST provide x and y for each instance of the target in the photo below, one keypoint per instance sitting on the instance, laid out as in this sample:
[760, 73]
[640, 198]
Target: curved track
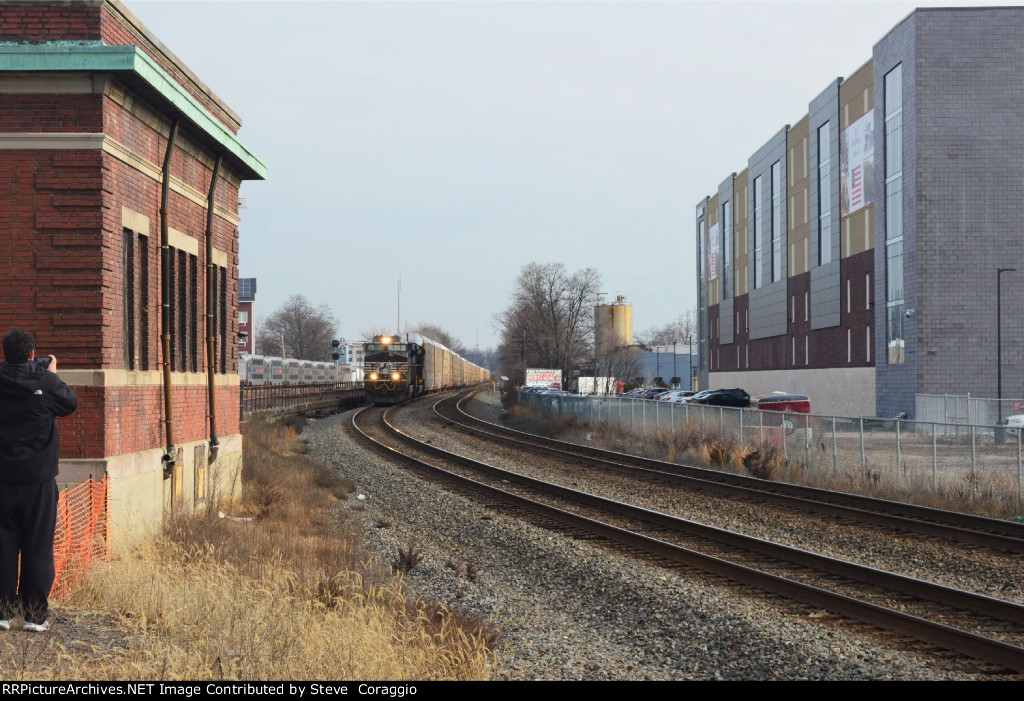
[987, 628]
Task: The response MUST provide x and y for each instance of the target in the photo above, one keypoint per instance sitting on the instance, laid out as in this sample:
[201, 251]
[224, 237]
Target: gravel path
[999, 575]
[572, 609]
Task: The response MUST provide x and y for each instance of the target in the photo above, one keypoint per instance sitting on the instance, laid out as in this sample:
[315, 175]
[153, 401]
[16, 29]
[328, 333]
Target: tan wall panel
[797, 197]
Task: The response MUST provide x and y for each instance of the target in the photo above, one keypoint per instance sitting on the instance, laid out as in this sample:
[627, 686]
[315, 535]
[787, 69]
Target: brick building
[94, 111]
[246, 315]
[855, 258]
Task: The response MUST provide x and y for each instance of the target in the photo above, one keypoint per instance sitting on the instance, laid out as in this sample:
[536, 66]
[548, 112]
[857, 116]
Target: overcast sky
[458, 142]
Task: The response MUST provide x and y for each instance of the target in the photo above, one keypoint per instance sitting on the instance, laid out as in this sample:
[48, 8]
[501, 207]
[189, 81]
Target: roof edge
[64, 56]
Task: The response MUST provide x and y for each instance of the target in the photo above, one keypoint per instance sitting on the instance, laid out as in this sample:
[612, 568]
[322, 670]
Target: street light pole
[999, 347]
[674, 373]
[689, 348]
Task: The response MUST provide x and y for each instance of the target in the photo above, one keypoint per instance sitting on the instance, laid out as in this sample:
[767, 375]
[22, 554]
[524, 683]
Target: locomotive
[396, 369]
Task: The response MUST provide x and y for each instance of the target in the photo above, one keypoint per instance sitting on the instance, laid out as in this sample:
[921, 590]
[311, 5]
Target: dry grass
[986, 492]
[278, 589]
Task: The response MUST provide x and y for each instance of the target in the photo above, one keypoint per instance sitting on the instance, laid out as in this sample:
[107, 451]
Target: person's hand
[53, 364]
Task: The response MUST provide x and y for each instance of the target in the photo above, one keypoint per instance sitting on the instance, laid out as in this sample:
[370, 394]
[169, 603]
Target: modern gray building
[857, 256]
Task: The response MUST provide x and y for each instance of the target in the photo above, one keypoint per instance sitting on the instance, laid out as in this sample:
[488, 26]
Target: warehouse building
[119, 178]
[856, 257]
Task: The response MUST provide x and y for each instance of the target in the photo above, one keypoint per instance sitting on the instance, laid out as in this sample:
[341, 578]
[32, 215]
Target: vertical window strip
[776, 221]
[172, 275]
[224, 329]
[194, 312]
[893, 97]
[758, 243]
[727, 249]
[128, 286]
[146, 351]
[824, 195]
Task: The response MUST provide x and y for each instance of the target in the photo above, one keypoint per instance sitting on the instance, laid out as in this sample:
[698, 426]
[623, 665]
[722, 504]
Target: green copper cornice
[94, 56]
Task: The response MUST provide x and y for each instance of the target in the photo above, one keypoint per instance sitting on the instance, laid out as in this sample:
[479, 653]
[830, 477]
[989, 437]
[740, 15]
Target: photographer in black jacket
[31, 397]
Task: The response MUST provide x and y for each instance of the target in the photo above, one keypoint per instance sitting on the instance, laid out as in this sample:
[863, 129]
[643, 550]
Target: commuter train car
[397, 369]
[266, 370]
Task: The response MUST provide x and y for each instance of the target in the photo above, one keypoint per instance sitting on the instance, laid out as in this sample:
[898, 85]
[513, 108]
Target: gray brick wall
[768, 301]
[969, 148]
[896, 385]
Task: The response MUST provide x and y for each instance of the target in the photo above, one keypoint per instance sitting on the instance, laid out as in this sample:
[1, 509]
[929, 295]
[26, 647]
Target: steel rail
[951, 525]
[974, 645]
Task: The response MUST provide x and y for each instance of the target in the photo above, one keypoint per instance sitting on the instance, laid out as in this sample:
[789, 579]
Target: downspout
[165, 312]
[211, 310]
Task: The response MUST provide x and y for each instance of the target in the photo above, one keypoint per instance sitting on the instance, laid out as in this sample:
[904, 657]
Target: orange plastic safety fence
[81, 537]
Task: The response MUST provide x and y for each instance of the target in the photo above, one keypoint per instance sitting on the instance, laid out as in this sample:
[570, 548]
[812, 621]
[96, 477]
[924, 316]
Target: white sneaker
[36, 627]
[5, 625]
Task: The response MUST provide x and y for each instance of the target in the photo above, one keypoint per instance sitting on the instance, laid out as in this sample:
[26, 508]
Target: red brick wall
[828, 347]
[34, 22]
[61, 252]
[121, 420]
[53, 238]
[113, 32]
[50, 113]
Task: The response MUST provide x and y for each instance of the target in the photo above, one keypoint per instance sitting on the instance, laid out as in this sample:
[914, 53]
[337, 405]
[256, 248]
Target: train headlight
[386, 340]
[395, 376]
[373, 376]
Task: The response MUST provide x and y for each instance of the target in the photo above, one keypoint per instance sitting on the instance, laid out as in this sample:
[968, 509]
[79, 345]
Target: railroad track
[946, 525]
[985, 628]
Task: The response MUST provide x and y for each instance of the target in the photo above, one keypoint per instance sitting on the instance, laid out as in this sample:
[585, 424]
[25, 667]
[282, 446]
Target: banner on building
[713, 252]
[857, 165]
[541, 377]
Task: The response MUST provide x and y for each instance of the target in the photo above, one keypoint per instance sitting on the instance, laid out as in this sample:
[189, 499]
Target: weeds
[408, 557]
[762, 463]
[290, 595]
[805, 456]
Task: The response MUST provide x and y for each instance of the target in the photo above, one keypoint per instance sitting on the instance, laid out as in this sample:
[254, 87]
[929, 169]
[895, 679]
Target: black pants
[28, 519]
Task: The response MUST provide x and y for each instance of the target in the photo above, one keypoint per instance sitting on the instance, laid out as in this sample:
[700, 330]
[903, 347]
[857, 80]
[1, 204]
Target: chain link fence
[953, 457]
[959, 410]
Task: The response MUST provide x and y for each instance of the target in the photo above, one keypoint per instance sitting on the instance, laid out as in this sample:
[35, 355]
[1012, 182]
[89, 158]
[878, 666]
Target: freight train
[264, 370]
[397, 368]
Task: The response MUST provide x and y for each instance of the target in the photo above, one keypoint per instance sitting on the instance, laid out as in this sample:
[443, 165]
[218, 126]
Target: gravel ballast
[574, 609]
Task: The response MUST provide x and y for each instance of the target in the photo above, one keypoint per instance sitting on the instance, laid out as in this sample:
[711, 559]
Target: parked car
[725, 397]
[1015, 421]
[783, 401]
[675, 395]
[654, 392]
[697, 396]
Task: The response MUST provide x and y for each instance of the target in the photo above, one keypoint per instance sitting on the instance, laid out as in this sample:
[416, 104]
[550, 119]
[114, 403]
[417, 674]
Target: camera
[909, 313]
[44, 362]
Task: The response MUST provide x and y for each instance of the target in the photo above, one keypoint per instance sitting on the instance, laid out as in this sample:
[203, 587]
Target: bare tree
[549, 322]
[374, 331]
[436, 333]
[675, 331]
[297, 329]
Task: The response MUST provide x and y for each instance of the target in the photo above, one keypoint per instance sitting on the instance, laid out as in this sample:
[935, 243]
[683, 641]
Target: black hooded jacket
[31, 398]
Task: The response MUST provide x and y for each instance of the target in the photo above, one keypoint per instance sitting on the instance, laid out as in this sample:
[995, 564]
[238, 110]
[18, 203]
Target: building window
[776, 221]
[727, 252]
[183, 311]
[893, 96]
[135, 303]
[220, 319]
[824, 196]
[758, 243]
[243, 317]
